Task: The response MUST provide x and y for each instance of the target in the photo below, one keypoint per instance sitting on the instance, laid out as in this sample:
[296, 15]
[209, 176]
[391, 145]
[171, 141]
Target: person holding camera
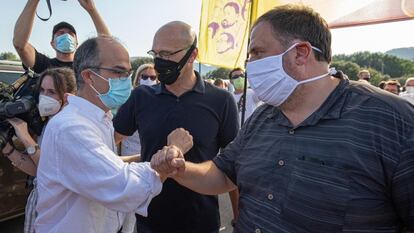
[64, 40]
[54, 85]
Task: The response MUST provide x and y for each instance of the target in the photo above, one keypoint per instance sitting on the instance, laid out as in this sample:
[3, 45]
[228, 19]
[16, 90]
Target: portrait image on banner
[225, 24]
[224, 31]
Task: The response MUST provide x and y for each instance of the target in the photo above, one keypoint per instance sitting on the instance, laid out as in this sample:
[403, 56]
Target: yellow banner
[345, 13]
[224, 32]
[225, 24]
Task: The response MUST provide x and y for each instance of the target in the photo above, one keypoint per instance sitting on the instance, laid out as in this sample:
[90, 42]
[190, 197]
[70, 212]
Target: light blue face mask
[65, 43]
[118, 93]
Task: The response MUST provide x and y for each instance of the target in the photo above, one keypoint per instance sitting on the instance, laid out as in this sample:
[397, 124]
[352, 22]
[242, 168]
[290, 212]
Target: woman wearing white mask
[145, 75]
[54, 85]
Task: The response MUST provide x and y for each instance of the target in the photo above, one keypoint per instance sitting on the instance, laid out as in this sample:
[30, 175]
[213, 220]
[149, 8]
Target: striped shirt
[349, 167]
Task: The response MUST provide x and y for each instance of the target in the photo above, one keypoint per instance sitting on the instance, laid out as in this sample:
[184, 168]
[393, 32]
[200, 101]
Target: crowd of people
[316, 152]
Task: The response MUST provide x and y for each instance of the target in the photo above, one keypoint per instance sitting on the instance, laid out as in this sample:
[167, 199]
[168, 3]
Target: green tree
[9, 56]
[376, 76]
[222, 73]
[349, 68]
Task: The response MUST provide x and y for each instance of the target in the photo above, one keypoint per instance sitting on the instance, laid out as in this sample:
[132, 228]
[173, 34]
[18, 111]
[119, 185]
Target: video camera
[20, 100]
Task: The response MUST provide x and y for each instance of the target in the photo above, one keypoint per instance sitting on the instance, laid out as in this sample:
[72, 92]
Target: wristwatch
[31, 150]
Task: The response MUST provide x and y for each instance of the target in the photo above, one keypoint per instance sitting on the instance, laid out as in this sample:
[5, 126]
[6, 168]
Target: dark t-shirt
[210, 115]
[42, 62]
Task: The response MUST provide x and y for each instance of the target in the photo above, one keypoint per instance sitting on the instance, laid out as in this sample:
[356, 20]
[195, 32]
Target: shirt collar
[199, 87]
[89, 109]
[330, 109]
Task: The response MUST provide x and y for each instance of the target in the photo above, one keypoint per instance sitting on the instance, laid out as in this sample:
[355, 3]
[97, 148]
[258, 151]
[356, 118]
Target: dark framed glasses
[145, 77]
[118, 72]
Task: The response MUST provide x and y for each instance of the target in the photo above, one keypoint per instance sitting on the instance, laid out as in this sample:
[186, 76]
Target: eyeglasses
[145, 77]
[164, 54]
[122, 74]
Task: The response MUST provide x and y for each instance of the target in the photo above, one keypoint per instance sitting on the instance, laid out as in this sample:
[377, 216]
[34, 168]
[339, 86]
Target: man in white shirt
[252, 101]
[408, 94]
[83, 185]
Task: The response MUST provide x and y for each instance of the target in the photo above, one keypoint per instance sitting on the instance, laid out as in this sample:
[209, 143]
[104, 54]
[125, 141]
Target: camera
[20, 100]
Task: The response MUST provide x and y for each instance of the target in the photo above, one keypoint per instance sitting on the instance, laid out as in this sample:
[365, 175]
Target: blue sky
[135, 21]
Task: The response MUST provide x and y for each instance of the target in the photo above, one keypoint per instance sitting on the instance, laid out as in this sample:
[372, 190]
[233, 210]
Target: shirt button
[281, 163]
[292, 131]
[270, 196]
[257, 230]
[178, 100]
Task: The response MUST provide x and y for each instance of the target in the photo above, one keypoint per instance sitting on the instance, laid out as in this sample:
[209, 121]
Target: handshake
[169, 161]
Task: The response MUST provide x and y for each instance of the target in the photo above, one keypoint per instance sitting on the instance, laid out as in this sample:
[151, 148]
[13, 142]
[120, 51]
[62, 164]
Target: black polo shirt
[210, 115]
[349, 167]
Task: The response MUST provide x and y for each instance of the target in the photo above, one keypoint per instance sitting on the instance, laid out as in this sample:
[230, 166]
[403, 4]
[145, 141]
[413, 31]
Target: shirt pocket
[316, 197]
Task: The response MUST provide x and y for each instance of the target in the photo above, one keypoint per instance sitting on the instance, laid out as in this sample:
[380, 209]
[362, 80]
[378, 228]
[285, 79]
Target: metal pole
[245, 64]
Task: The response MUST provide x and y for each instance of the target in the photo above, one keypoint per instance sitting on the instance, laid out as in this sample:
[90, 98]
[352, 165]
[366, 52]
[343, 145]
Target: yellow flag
[225, 24]
[224, 31]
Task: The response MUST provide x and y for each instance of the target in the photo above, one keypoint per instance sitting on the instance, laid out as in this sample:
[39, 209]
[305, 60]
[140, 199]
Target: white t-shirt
[252, 102]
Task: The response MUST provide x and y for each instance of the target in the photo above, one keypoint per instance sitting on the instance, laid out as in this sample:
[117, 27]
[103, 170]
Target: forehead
[262, 37]
[237, 72]
[47, 82]
[63, 31]
[410, 82]
[113, 54]
[149, 71]
[391, 86]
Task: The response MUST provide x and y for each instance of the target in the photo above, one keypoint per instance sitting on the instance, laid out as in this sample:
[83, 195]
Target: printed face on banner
[227, 26]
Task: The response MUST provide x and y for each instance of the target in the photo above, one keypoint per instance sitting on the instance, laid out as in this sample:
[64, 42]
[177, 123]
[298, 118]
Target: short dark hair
[64, 80]
[233, 70]
[86, 56]
[61, 25]
[293, 21]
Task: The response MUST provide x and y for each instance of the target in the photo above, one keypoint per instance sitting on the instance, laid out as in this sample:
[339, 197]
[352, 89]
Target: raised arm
[22, 31]
[97, 19]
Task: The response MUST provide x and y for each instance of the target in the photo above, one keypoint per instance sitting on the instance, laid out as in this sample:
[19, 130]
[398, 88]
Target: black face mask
[168, 71]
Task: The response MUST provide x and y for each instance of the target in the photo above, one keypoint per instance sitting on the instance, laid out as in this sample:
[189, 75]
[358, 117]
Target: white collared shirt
[83, 185]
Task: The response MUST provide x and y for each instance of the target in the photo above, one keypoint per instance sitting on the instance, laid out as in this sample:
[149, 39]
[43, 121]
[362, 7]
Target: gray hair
[86, 56]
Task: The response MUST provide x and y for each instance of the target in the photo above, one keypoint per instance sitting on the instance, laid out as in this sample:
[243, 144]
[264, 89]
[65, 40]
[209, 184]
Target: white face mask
[410, 89]
[270, 81]
[147, 82]
[48, 106]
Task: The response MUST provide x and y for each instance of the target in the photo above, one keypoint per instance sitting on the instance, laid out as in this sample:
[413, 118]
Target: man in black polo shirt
[64, 40]
[323, 154]
[182, 99]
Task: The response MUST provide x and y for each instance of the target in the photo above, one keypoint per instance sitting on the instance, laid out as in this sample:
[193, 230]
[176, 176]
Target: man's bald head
[177, 32]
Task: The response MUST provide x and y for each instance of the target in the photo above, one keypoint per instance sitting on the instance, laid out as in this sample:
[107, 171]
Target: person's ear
[86, 76]
[193, 56]
[52, 43]
[303, 53]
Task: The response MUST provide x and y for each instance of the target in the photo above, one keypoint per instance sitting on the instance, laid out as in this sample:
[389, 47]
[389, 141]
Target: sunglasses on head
[145, 77]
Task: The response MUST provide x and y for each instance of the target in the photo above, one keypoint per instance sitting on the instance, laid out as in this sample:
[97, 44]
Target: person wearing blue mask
[64, 39]
[323, 153]
[83, 185]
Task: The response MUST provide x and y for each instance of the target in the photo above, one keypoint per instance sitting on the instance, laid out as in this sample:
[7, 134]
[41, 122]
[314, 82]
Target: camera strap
[49, 6]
